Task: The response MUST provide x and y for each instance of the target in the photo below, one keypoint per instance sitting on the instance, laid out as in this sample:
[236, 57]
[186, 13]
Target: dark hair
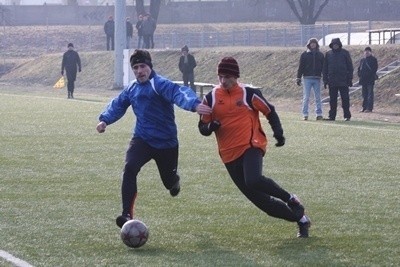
[368, 49]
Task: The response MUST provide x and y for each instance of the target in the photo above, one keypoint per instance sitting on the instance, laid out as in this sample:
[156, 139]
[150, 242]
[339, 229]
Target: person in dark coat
[148, 28]
[367, 74]
[129, 32]
[109, 28]
[338, 75]
[139, 31]
[71, 63]
[310, 68]
[187, 63]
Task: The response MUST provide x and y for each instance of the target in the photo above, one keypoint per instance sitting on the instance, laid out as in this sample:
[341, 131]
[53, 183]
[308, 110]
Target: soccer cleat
[305, 118]
[346, 119]
[304, 227]
[174, 191]
[319, 118]
[122, 219]
[296, 206]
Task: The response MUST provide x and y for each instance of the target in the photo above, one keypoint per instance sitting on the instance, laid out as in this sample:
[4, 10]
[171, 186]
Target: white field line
[58, 98]
[15, 261]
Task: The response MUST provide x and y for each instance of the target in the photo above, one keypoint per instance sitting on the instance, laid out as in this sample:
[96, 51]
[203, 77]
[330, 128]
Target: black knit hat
[185, 48]
[229, 66]
[141, 56]
[70, 45]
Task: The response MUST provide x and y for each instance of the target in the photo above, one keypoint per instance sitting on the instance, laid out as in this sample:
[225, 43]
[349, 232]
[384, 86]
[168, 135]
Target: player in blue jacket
[152, 98]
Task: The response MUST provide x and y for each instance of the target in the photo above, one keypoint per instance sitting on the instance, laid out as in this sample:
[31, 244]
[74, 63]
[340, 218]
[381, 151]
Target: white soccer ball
[134, 233]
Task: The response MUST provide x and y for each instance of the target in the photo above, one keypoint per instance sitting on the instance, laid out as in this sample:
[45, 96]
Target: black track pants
[137, 155]
[246, 173]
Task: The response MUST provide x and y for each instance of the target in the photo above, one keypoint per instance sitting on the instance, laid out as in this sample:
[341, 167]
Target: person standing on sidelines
[338, 75]
[71, 63]
[109, 29]
[367, 74]
[310, 68]
[152, 98]
[242, 143]
[129, 32]
[139, 31]
[187, 63]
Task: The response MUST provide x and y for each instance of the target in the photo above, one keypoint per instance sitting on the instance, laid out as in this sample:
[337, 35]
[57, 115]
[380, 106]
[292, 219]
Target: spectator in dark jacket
[71, 62]
[109, 27]
[187, 63]
[139, 31]
[367, 74]
[148, 28]
[129, 32]
[338, 74]
[310, 68]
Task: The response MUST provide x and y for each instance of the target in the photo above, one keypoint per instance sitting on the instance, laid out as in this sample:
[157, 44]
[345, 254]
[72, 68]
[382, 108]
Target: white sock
[303, 219]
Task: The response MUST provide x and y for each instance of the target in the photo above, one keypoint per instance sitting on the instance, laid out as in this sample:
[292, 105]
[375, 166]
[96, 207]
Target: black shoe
[122, 219]
[319, 118]
[329, 119]
[174, 191]
[296, 206]
[303, 228]
[362, 110]
[346, 119]
[305, 118]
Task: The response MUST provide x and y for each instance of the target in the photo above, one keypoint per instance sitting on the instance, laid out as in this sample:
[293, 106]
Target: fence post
[285, 37]
[348, 32]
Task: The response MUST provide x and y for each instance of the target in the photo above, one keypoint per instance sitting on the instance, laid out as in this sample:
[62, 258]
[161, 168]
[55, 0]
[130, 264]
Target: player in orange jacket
[242, 143]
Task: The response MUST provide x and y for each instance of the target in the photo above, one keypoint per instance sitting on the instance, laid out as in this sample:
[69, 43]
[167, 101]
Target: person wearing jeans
[367, 74]
[310, 68]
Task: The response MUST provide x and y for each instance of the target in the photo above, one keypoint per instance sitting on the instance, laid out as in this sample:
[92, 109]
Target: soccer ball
[134, 233]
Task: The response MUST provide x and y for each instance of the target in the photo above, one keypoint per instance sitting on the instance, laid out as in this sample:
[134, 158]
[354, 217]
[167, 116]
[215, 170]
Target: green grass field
[60, 192]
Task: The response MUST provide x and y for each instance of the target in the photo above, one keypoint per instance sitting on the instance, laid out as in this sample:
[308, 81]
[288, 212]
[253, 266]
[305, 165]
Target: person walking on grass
[152, 98]
[71, 63]
[338, 75]
[310, 68]
[367, 74]
[242, 143]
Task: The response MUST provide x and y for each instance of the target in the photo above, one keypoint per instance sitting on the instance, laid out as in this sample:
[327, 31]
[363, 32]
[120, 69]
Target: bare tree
[72, 2]
[140, 7]
[304, 10]
[154, 9]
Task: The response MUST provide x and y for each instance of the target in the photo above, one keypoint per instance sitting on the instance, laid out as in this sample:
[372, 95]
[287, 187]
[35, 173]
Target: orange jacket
[237, 110]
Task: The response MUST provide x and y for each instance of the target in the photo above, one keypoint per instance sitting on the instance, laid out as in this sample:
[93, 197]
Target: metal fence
[49, 39]
[292, 36]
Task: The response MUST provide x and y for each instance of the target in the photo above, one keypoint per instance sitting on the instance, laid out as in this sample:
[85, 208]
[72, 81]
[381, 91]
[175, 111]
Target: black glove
[280, 141]
[350, 83]
[298, 81]
[325, 85]
[62, 73]
[80, 70]
[214, 125]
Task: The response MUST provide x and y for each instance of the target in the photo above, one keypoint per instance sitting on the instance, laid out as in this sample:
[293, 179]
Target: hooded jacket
[338, 66]
[311, 62]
